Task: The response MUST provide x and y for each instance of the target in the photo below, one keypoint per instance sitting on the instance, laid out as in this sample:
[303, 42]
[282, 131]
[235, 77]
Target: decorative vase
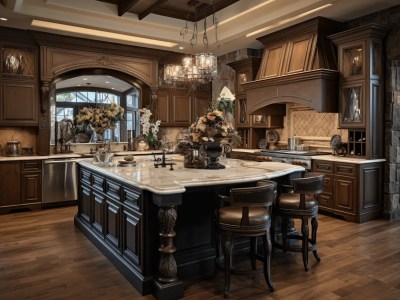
[213, 150]
[99, 133]
[142, 146]
[82, 138]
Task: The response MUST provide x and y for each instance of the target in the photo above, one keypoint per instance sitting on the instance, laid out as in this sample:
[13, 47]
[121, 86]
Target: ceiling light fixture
[101, 33]
[3, 19]
[195, 69]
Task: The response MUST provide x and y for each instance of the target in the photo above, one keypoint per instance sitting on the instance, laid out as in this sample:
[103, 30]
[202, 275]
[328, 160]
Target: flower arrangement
[100, 118]
[211, 127]
[149, 129]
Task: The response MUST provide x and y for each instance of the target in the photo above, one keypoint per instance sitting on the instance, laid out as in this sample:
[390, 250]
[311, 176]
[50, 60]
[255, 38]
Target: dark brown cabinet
[9, 185]
[173, 107]
[181, 107]
[20, 103]
[351, 191]
[19, 94]
[21, 185]
[361, 90]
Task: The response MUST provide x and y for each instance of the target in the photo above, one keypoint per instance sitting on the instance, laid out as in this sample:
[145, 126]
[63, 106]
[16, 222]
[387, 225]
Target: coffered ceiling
[160, 23]
[191, 10]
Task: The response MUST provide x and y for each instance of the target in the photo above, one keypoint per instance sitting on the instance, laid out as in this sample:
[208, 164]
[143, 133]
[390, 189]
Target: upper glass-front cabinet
[361, 108]
[353, 61]
[18, 63]
[352, 105]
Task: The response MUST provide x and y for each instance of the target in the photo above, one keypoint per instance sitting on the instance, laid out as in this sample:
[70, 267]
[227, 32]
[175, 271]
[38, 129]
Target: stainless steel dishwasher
[59, 181]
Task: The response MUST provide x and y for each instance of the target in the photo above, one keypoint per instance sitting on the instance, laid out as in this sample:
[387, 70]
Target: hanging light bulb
[198, 69]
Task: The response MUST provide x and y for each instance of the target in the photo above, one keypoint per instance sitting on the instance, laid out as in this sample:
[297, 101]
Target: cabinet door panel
[31, 191]
[200, 106]
[85, 203]
[371, 180]
[113, 231]
[9, 174]
[345, 197]
[98, 212]
[163, 109]
[181, 110]
[131, 236]
[20, 104]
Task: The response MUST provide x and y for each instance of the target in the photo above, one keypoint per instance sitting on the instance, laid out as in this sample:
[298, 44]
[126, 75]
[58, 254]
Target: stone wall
[390, 18]
[226, 75]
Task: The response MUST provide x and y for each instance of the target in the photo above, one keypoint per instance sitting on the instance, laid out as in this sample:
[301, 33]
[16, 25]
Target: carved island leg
[168, 286]
[168, 269]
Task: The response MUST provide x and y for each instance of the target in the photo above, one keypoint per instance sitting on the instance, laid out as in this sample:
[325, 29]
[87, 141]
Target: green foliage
[226, 106]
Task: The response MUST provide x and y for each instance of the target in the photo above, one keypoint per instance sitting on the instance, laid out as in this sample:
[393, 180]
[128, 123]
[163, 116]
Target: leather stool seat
[248, 215]
[299, 204]
[232, 216]
[292, 201]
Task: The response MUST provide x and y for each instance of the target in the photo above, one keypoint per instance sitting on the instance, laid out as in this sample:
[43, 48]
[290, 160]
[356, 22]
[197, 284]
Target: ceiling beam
[3, 2]
[125, 5]
[151, 8]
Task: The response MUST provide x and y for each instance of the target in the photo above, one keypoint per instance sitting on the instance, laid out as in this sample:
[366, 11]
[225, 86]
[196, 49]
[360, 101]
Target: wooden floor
[43, 256]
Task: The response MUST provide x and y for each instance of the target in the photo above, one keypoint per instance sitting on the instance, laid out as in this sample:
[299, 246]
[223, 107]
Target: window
[132, 113]
[69, 103]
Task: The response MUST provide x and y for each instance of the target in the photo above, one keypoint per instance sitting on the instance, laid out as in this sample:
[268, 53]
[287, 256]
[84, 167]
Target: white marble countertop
[347, 159]
[246, 150]
[164, 181]
[72, 155]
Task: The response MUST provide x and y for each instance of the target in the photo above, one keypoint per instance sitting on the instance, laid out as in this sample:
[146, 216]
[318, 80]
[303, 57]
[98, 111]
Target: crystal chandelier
[195, 69]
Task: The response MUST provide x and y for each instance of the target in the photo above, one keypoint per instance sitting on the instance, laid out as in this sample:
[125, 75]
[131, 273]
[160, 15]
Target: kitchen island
[156, 224]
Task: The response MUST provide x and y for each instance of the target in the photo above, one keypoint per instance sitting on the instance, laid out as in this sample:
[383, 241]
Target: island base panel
[143, 285]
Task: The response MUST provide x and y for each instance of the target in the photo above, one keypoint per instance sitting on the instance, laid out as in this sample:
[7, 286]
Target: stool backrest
[263, 194]
[308, 185]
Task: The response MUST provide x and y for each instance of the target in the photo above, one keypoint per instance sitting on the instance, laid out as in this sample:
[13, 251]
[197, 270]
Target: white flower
[148, 128]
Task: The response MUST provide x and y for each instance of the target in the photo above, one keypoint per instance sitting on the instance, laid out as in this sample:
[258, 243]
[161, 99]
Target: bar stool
[301, 204]
[248, 215]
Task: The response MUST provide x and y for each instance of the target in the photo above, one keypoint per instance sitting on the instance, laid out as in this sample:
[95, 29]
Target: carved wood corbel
[44, 96]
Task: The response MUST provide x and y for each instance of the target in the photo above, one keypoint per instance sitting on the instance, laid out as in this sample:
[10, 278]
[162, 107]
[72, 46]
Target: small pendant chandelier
[195, 69]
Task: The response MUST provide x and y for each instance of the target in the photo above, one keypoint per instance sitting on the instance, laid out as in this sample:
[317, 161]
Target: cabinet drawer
[131, 197]
[113, 189]
[98, 182]
[31, 165]
[86, 177]
[344, 169]
[322, 166]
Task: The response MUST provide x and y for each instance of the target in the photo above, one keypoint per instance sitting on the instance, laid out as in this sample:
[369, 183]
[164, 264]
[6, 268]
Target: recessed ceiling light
[107, 82]
[3, 19]
[181, 47]
[84, 78]
[113, 88]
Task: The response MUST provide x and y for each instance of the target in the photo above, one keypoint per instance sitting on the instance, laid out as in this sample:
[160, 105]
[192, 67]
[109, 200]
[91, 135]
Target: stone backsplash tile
[27, 137]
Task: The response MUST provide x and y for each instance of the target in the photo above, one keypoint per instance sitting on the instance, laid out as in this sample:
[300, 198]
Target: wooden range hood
[299, 65]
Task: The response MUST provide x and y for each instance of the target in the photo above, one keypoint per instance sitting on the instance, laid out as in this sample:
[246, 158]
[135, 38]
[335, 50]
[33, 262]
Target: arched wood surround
[58, 63]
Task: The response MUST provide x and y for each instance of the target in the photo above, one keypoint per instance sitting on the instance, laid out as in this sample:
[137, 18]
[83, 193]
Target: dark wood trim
[125, 5]
[151, 8]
